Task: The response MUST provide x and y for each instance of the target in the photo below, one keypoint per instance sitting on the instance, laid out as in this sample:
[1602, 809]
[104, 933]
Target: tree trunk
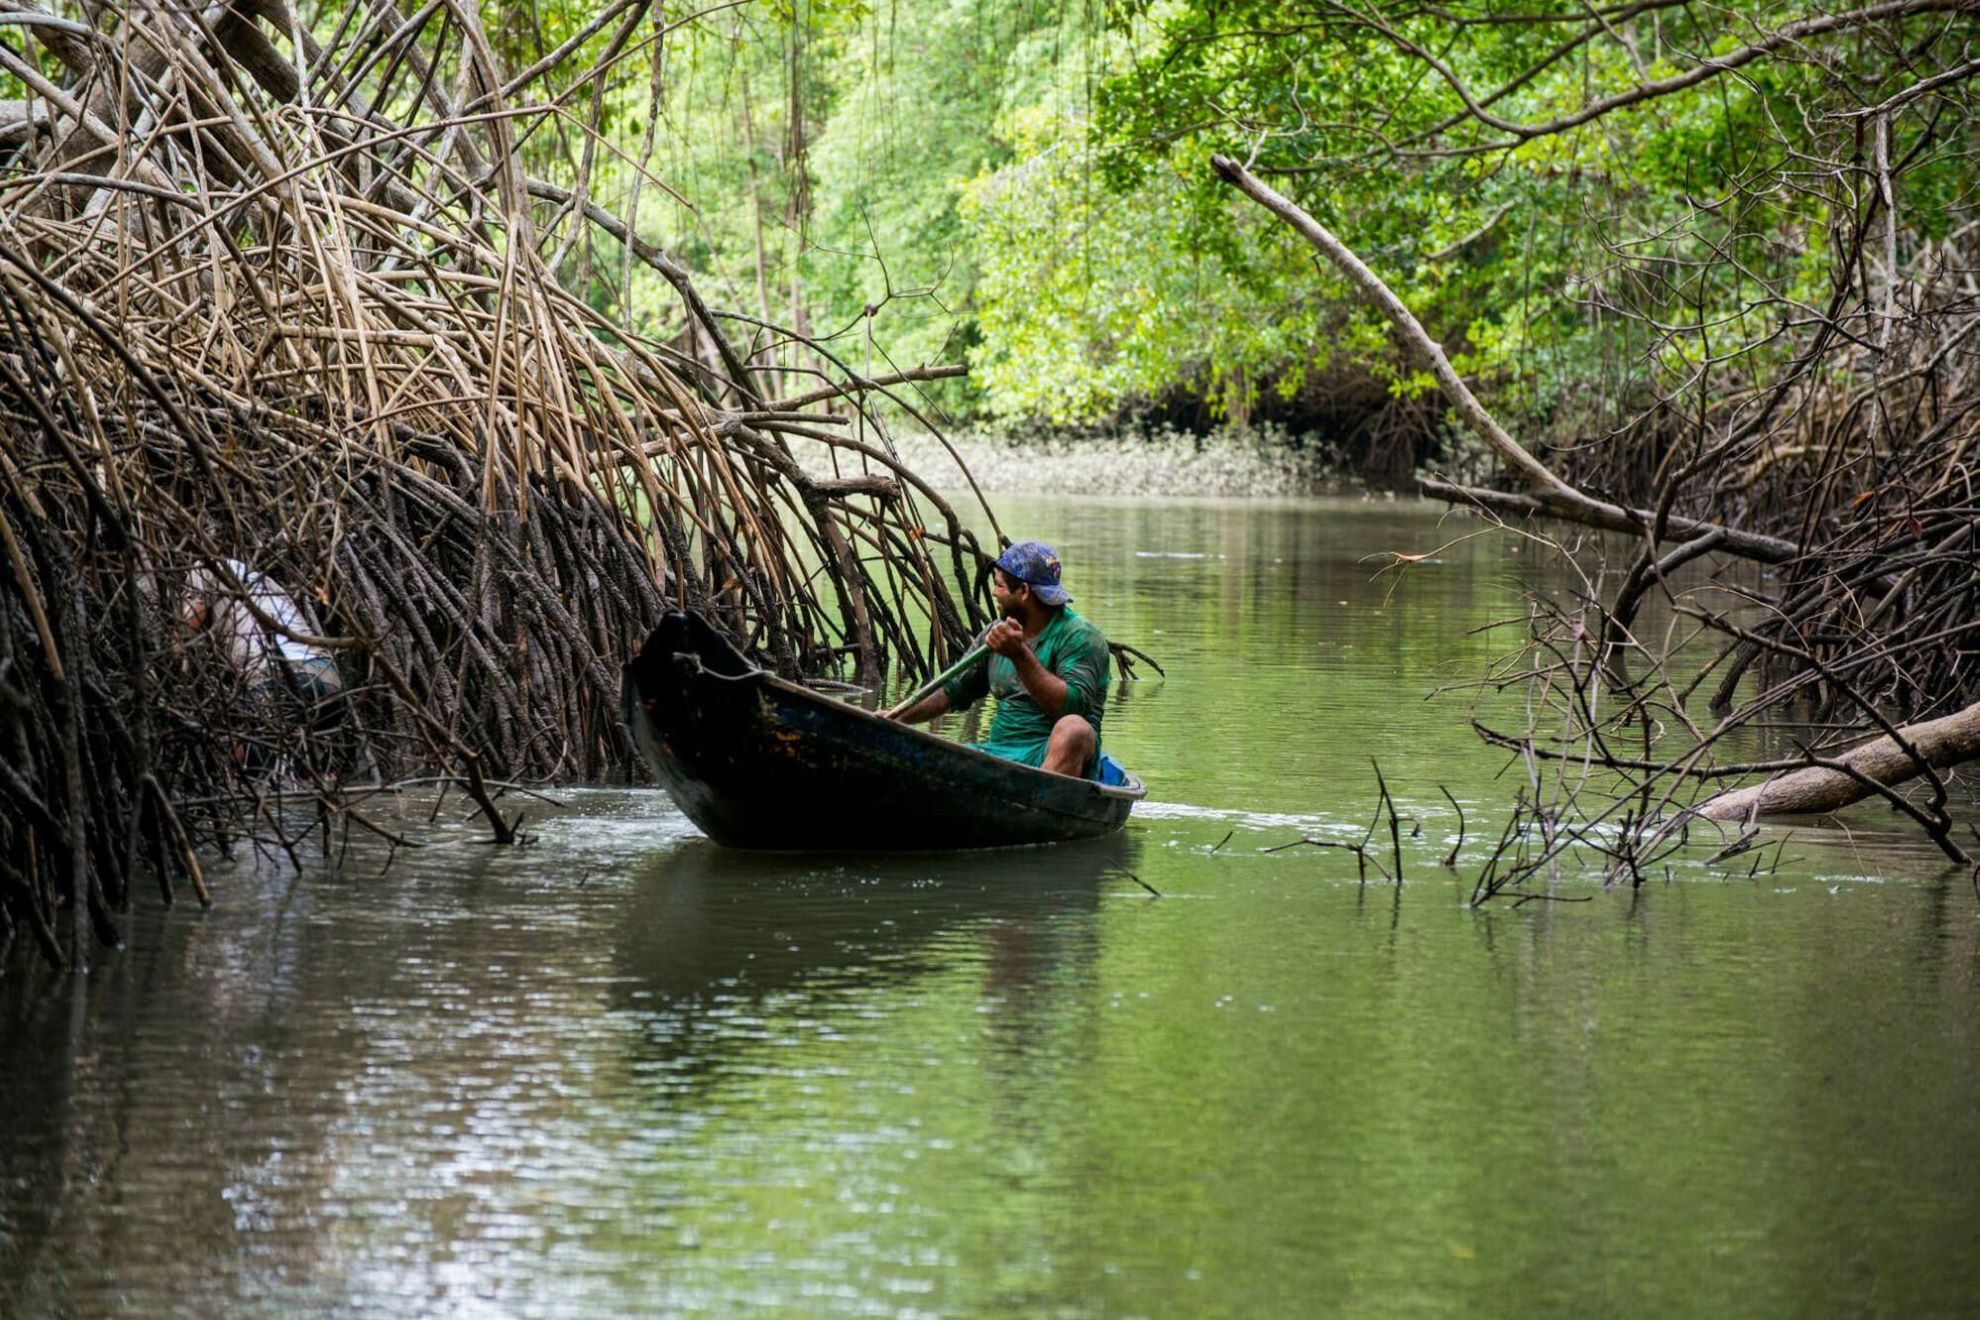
[1941, 742]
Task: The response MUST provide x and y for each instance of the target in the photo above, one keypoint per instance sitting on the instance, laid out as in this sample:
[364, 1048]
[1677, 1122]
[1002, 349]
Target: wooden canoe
[760, 762]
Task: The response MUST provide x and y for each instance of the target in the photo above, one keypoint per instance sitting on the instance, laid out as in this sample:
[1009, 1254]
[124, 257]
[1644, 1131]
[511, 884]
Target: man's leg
[1070, 750]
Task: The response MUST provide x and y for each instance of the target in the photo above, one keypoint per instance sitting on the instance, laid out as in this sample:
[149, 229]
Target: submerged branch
[1887, 761]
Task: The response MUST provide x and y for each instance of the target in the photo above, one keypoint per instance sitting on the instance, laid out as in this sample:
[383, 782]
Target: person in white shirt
[267, 651]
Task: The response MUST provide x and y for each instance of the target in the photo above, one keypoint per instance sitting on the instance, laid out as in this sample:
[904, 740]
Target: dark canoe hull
[758, 762]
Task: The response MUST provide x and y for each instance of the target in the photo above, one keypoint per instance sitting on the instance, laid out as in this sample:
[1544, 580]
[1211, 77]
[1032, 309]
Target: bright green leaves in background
[824, 151]
[1118, 271]
[1091, 299]
[1025, 186]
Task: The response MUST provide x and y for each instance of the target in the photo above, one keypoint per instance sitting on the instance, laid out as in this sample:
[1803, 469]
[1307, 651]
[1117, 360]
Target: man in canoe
[1047, 668]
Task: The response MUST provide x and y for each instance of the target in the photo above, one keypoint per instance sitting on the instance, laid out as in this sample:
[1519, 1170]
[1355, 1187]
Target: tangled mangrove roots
[1840, 670]
[1780, 447]
[279, 302]
[1822, 459]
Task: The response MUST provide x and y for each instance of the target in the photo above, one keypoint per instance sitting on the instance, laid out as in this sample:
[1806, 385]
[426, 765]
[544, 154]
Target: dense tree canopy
[1591, 207]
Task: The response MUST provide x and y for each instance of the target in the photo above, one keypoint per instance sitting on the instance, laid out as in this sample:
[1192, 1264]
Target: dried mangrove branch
[279, 310]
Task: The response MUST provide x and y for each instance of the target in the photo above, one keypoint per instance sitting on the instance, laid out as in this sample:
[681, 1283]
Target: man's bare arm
[1047, 689]
[935, 703]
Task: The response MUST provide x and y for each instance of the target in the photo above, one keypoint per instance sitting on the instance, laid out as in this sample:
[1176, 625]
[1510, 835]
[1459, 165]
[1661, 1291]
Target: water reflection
[710, 931]
[622, 1072]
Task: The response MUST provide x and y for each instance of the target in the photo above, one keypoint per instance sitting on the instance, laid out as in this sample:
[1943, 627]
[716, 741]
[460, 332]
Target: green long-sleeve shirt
[1072, 647]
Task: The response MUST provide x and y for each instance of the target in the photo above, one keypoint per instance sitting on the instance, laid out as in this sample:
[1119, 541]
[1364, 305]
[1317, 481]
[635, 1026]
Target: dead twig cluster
[1385, 806]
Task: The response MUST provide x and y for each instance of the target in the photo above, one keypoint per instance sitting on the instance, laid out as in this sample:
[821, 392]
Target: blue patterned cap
[1037, 565]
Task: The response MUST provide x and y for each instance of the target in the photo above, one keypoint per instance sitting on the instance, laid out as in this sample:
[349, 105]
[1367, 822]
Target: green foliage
[1630, 250]
[911, 123]
[1123, 271]
[1090, 298]
[1025, 185]
[823, 150]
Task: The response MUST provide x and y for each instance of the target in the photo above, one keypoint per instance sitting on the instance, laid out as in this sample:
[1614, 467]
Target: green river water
[622, 1072]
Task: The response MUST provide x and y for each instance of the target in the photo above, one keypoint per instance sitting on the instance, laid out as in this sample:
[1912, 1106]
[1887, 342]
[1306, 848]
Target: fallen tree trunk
[1939, 743]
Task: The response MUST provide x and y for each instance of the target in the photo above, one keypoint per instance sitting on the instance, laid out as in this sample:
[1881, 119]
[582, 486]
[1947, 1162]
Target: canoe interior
[758, 762]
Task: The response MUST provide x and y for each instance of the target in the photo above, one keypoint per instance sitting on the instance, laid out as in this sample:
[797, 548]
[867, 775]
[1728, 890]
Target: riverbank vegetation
[1160, 462]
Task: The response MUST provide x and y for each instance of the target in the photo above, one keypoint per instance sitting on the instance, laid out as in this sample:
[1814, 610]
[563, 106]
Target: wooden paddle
[976, 655]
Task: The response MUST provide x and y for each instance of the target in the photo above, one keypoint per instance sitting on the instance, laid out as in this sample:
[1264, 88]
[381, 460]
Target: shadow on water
[713, 937]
